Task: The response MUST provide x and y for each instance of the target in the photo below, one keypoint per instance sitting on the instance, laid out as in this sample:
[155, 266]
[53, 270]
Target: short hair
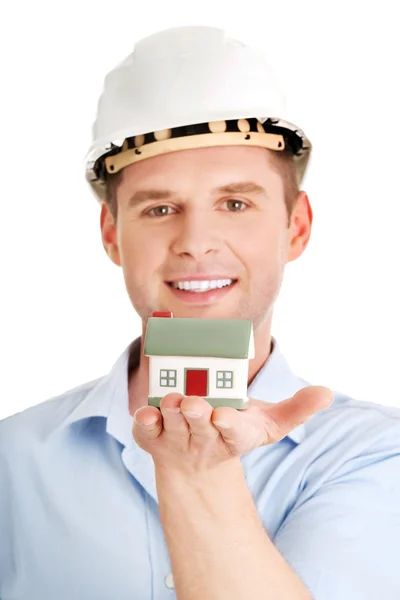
[282, 162]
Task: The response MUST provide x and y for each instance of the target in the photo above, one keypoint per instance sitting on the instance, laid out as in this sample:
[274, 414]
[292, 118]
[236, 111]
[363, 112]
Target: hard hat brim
[237, 132]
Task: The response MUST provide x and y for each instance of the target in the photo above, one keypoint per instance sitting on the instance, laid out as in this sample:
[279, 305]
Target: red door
[196, 382]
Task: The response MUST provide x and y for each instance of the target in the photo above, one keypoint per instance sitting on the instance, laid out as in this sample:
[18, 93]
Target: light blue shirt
[79, 513]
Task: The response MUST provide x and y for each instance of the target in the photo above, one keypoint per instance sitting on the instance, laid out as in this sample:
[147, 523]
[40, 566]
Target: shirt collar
[109, 396]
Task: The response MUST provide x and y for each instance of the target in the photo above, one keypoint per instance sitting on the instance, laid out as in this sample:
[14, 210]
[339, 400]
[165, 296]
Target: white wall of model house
[239, 366]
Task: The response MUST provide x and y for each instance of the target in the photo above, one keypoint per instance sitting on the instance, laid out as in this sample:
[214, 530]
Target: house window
[224, 379]
[167, 378]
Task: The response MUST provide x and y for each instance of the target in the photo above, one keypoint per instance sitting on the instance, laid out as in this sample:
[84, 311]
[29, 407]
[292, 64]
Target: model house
[199, 357]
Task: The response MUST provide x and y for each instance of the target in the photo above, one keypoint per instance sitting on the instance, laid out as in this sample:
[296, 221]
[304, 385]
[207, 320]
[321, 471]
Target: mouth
[201, 286]
[200, 291]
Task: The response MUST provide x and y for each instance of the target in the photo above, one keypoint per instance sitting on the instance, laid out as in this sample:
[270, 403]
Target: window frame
[224, 379]
[168, 378]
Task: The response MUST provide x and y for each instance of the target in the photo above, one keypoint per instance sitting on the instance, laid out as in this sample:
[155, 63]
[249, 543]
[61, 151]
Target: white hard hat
[188, 87]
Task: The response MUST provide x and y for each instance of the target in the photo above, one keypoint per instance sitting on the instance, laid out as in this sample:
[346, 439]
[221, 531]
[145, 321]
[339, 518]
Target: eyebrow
[239, 187]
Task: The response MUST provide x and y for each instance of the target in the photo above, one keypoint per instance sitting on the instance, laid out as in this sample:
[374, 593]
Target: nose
[196, 236]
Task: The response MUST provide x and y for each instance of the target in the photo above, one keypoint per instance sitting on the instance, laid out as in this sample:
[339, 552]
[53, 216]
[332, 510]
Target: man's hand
[180, 441]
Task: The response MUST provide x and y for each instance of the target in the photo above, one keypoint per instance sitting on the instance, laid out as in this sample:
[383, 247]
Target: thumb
[289, 414]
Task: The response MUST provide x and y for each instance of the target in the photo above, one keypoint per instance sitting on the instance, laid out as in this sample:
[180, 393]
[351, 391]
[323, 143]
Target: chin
[204, 312]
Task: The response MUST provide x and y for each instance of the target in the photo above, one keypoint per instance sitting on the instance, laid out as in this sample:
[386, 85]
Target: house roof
[216, 338]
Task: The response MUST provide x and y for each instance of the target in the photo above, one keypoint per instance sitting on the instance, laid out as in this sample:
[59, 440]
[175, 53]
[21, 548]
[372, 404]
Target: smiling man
[177, 231]
[297, 497]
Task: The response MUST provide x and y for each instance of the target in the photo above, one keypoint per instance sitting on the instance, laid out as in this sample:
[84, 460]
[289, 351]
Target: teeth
[201, 286]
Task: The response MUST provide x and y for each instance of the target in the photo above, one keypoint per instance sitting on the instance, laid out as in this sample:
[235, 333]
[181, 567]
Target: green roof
[217, 338]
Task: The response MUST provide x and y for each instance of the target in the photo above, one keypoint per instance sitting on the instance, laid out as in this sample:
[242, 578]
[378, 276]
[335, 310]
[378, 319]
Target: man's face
[176, 227]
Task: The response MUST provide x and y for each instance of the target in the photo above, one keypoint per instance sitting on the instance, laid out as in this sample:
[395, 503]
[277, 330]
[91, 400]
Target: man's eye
[235, 205]
[160, 211]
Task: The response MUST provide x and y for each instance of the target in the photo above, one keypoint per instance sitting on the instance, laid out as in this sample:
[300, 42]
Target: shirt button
[169, 581]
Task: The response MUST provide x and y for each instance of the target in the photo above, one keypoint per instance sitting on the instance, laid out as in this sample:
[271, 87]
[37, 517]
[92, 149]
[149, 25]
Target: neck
[138, 384]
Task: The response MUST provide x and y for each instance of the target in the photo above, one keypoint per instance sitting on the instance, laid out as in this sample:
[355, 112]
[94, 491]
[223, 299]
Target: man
[297, 496]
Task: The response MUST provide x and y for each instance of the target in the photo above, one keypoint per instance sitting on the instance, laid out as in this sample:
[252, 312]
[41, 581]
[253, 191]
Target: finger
[197, 412]
[284, 416]
[147, 423]
[241, 430]
[174, 421]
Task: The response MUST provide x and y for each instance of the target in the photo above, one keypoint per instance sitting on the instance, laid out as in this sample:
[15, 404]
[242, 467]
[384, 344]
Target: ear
[109, 234]
[300, 226]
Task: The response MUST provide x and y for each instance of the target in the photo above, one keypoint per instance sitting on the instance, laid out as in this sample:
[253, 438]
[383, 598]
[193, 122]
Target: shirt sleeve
[343, 541]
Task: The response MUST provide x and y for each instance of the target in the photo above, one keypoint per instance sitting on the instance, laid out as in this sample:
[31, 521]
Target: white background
[65, 314]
